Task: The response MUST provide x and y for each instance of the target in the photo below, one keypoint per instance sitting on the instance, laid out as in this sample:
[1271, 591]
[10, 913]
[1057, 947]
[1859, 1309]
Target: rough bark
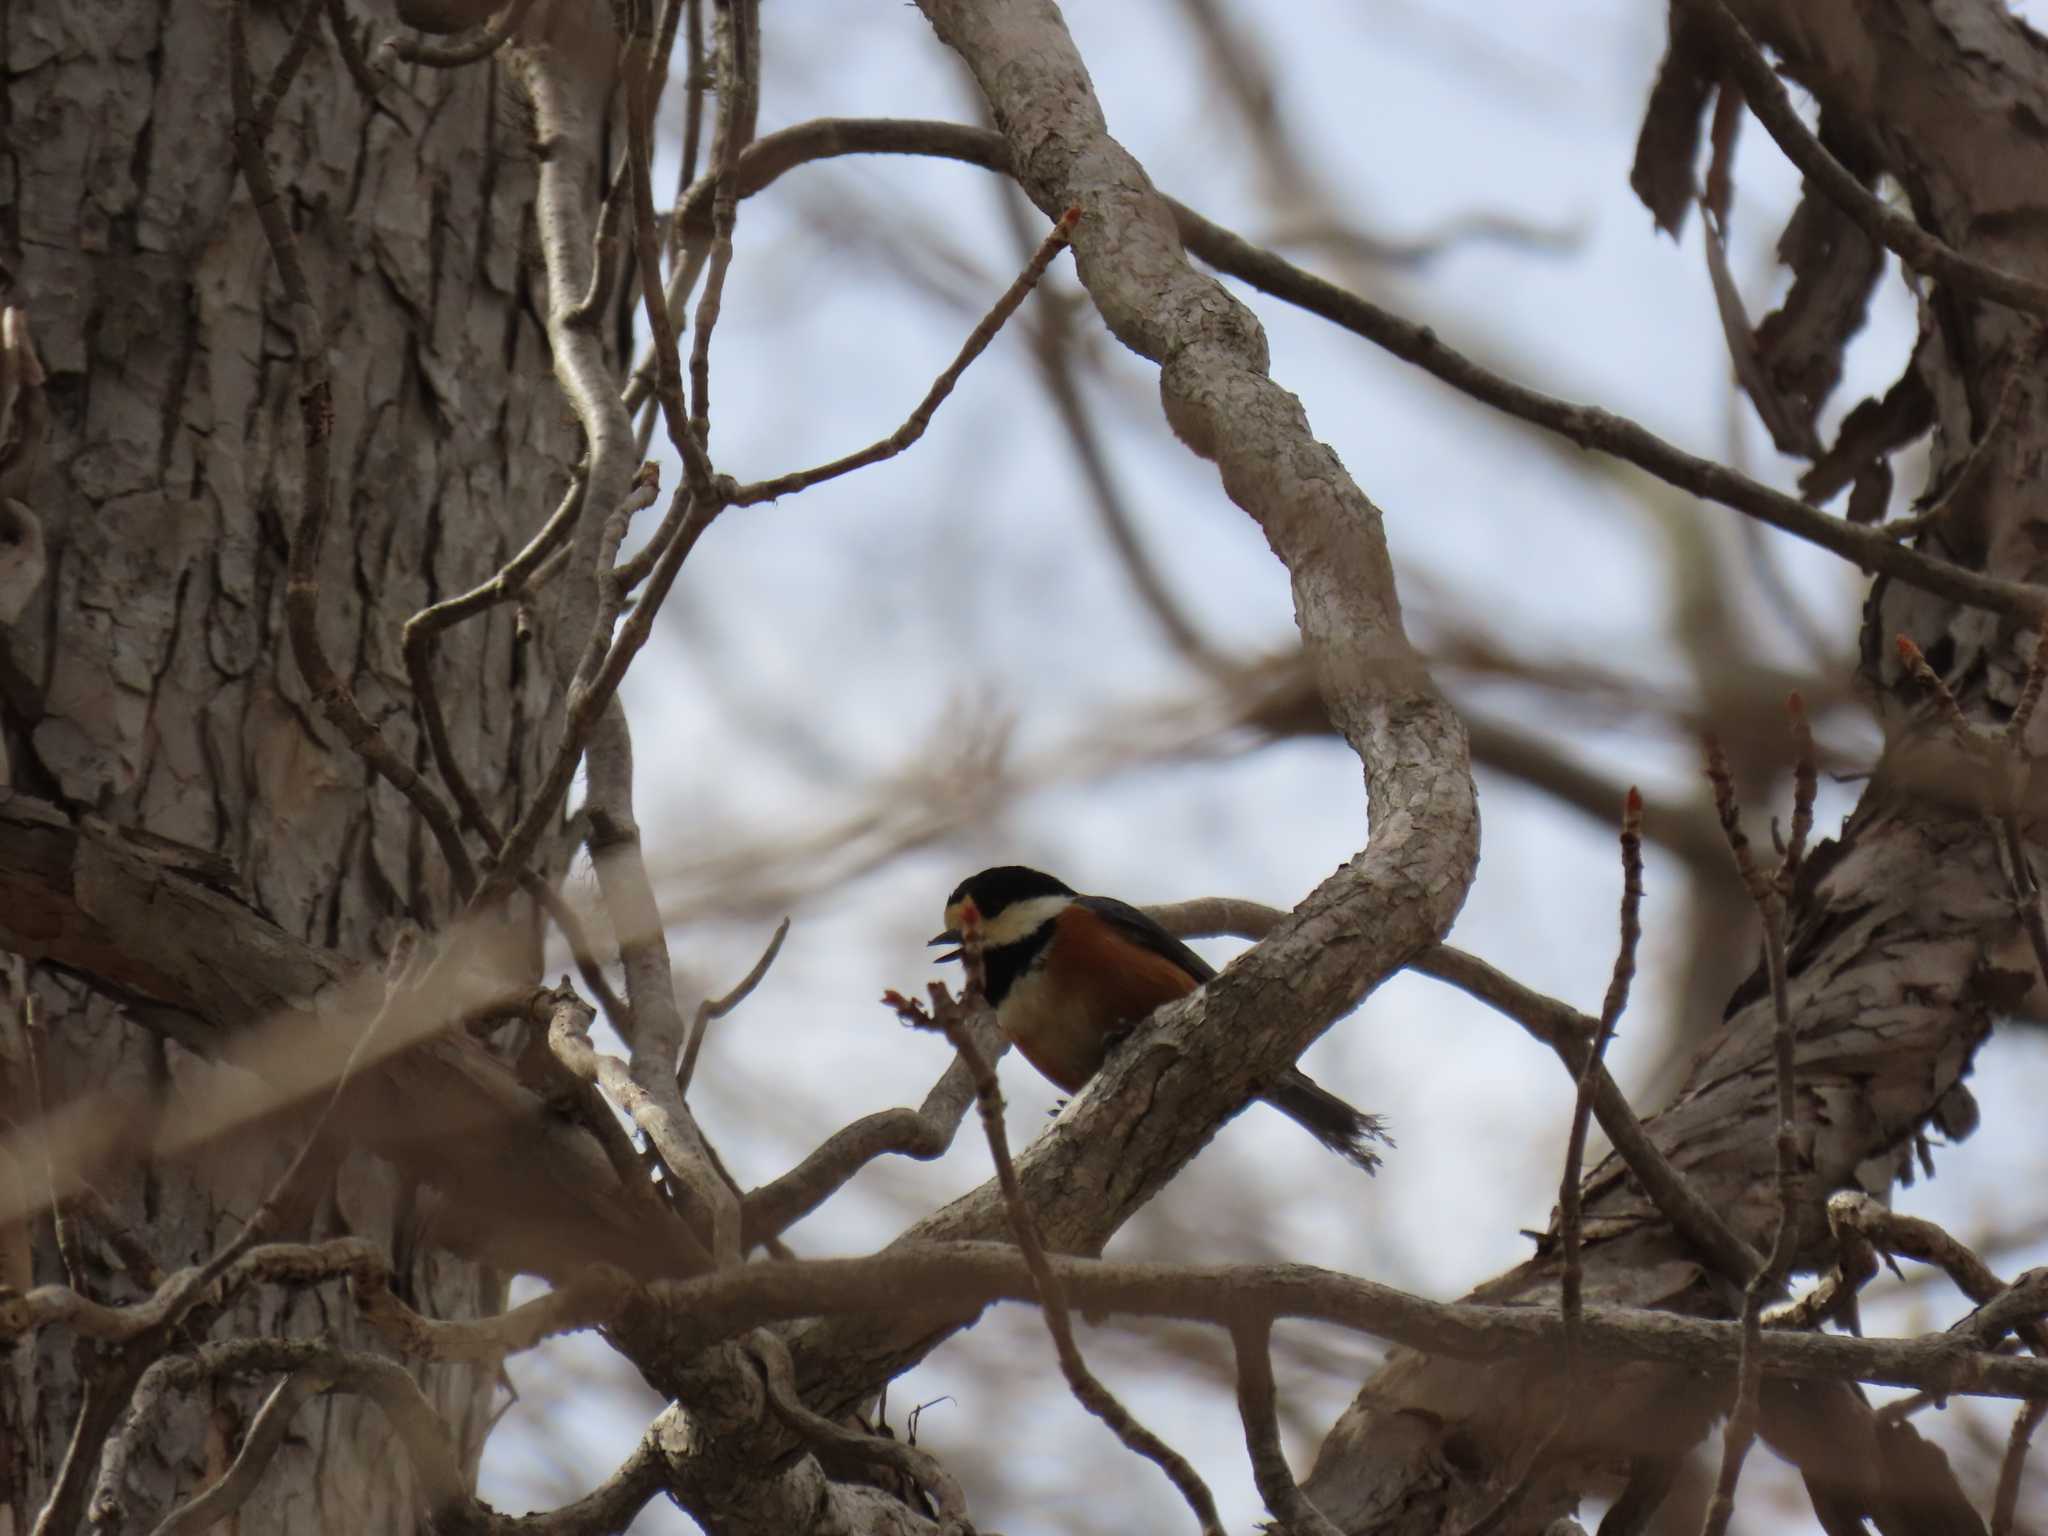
[1904, 947]
[150, 683]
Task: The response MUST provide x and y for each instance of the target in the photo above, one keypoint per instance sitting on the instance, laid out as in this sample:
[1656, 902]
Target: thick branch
[163, 925]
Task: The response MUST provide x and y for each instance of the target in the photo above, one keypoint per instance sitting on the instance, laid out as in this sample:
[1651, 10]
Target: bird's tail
[1344, 1130]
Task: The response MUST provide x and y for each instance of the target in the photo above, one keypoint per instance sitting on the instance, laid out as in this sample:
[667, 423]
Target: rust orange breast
[1061, 1014]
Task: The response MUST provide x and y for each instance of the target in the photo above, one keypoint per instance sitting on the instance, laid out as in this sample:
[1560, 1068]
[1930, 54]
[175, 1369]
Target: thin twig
[1588, 426]
[587, 703]
[513, 580]
[32, 1038]
[632, 571]
[713, 1209]
[1556, 1024]
[718, 1008]
[1741, 1428]
[639, 66]
[1571, 1194]
[2005, 1503]
[1052, 341]
[738, 80]
[316, 399]
[1052, 1300]
[2001, 1306]
[914, 425]
[1805, 790]
[1835, 1295]
[693, 115]
[1945, 703]
[1916, 247]
[604, 247]
[588, 966]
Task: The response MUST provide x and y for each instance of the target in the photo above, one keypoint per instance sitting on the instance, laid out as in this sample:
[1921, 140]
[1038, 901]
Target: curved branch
[923, 1133]
[266, 1435]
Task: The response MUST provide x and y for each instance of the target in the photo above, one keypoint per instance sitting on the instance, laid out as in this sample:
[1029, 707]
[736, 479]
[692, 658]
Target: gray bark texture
[149, 685]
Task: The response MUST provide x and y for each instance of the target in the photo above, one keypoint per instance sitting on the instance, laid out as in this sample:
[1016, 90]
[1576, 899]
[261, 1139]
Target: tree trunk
[150, 681]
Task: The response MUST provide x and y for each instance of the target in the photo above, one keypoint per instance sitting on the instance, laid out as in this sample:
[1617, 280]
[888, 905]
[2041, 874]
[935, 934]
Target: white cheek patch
[1022, 919]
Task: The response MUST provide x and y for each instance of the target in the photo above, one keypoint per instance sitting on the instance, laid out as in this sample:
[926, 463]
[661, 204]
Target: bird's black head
[1029, 896]
[994, 889]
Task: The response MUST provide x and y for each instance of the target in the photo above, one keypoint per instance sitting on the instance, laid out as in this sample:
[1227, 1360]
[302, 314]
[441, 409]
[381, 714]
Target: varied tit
[1068, 975]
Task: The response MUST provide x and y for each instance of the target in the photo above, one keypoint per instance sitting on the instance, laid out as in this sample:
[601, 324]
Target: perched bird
[1068, 975]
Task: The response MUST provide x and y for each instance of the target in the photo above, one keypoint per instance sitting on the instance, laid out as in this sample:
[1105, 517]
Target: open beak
[950, 936]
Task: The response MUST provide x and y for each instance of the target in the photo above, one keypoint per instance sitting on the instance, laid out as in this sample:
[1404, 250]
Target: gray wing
[1142, 930]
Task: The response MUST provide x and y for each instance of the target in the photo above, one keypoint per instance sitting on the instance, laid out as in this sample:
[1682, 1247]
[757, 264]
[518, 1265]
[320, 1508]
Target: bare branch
[924, 1133]
[266, 1434]
[1589, 426]
[914, 425]
[1766, 1282]
[513, 581]
[1569, 1191]
[1256, 1405]
[2005, 1502]
[718, 1008]
[1913, 245]
[830, 1440]
[640, 63]
[739, 64]
[715, 1208]
[1558, 1025]
[925, 1279]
